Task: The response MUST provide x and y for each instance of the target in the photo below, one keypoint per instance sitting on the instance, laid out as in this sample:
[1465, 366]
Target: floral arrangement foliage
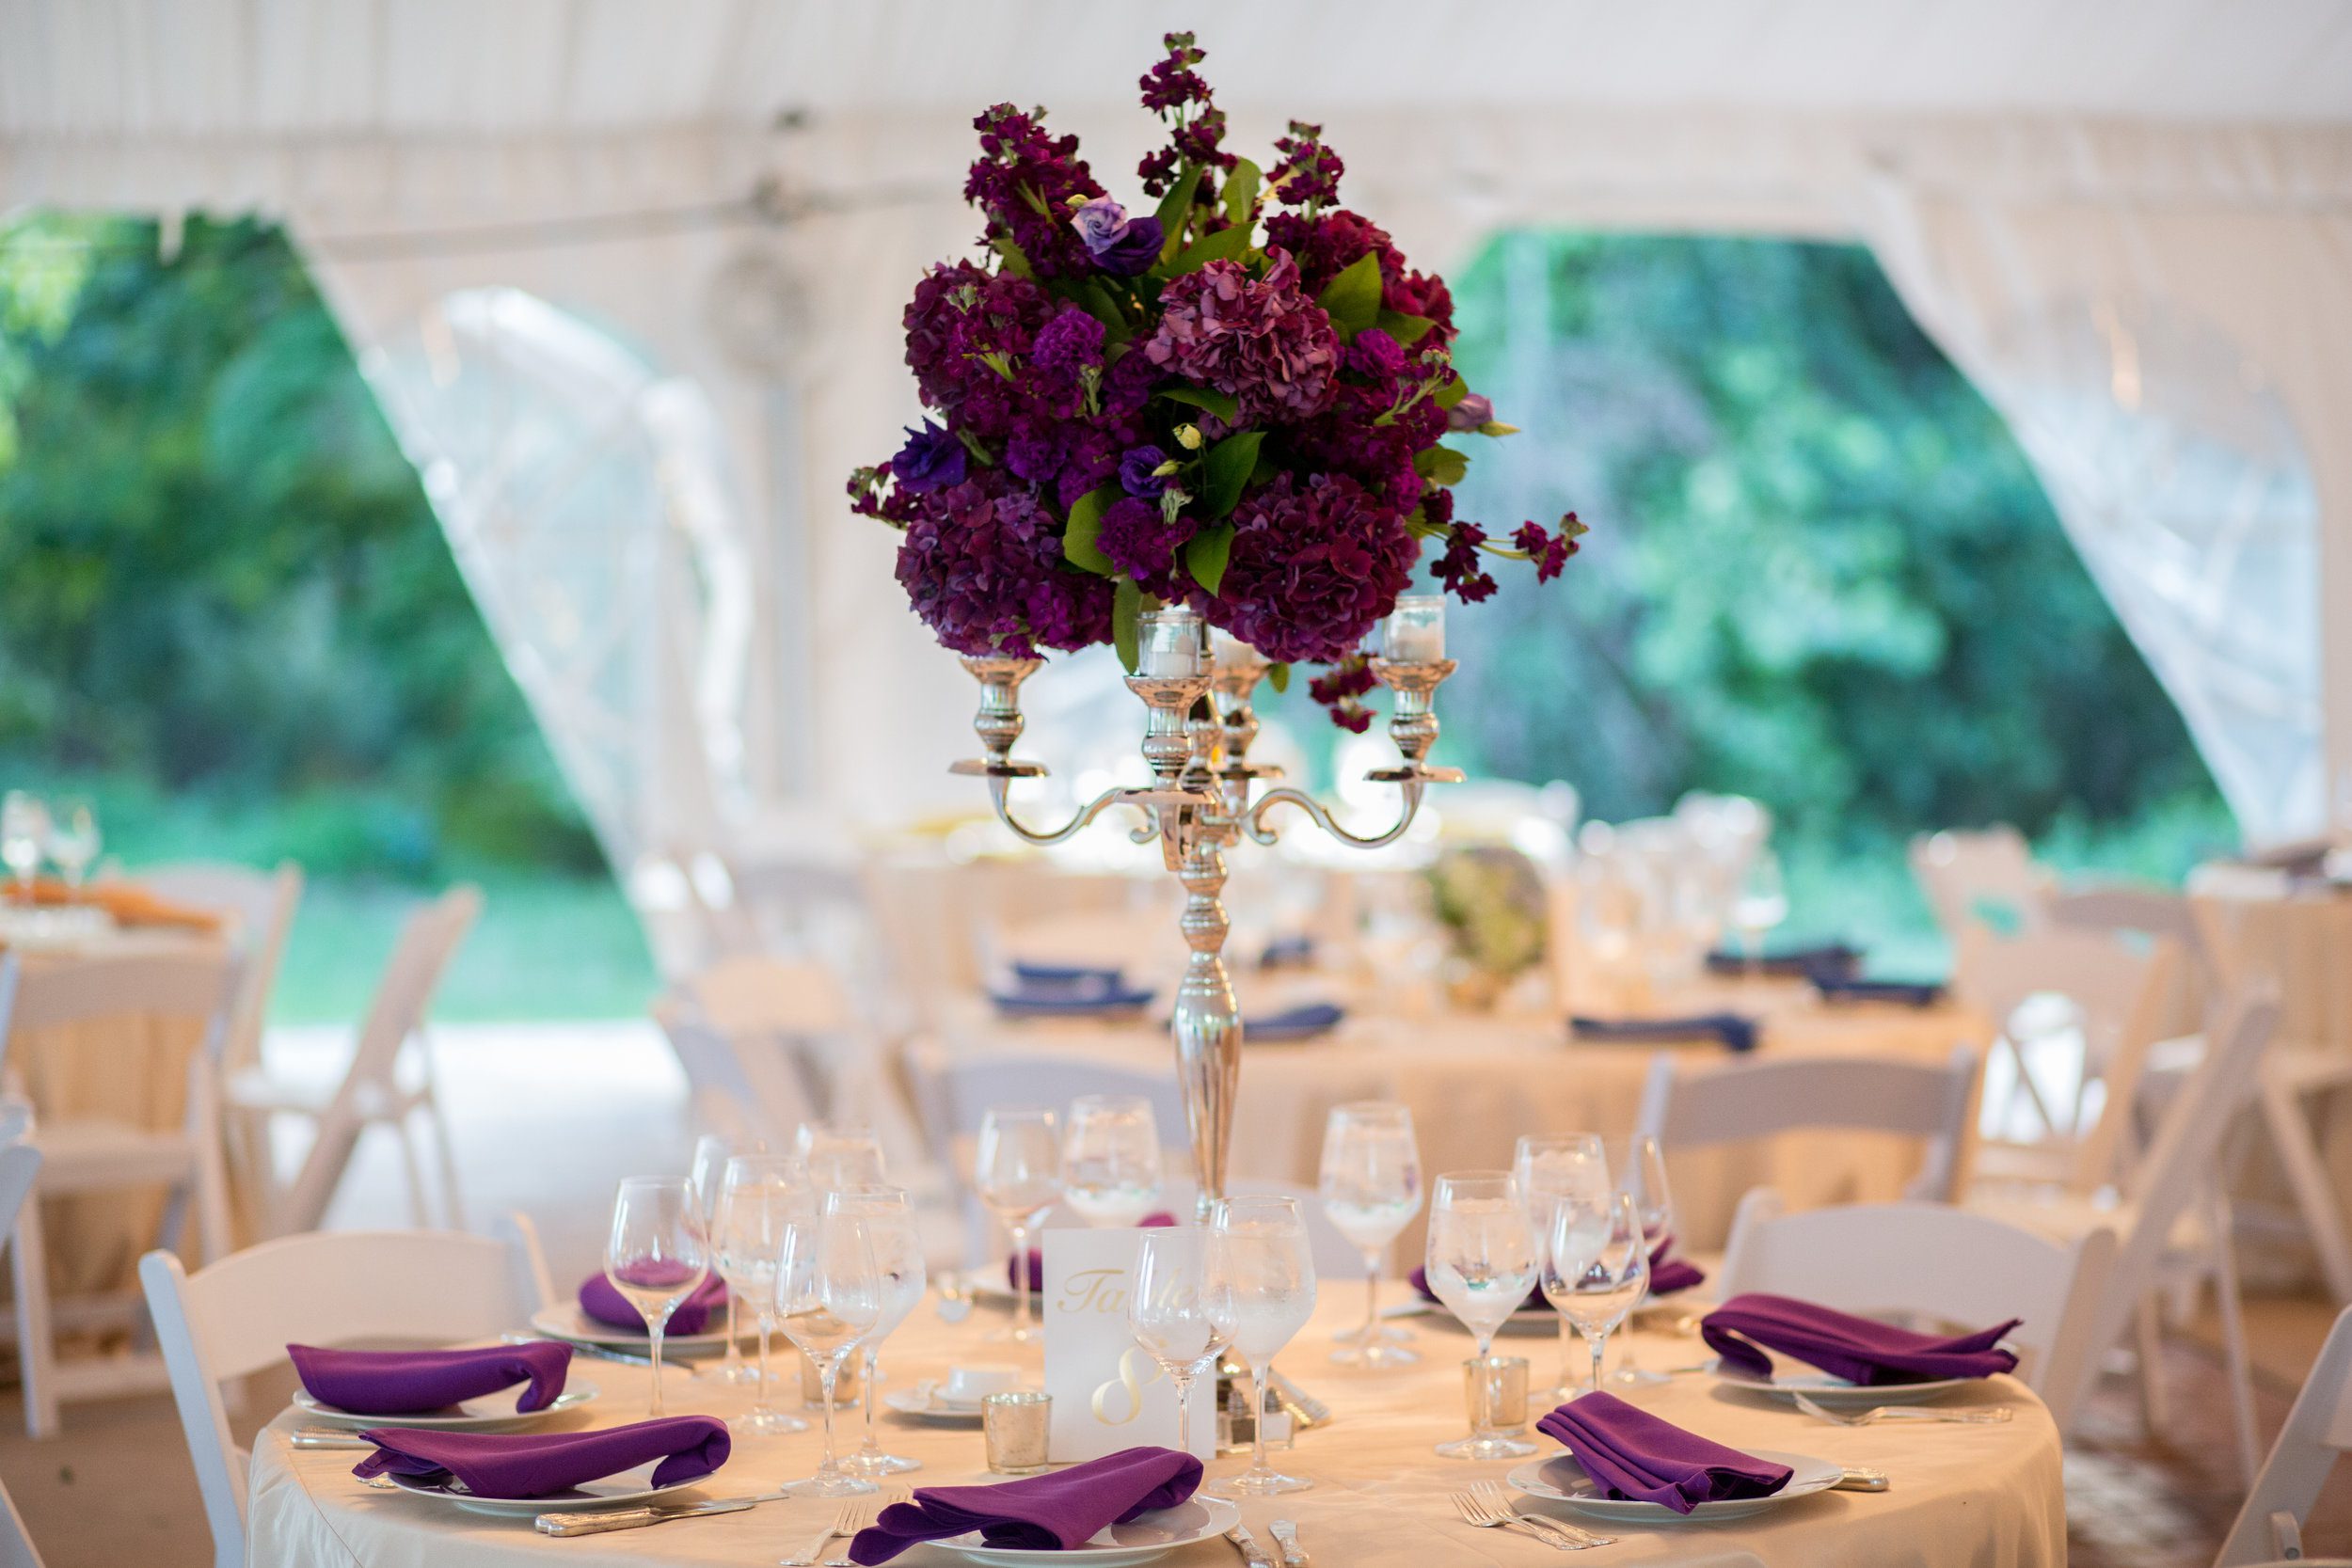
[1490, 900]
[1236, 402]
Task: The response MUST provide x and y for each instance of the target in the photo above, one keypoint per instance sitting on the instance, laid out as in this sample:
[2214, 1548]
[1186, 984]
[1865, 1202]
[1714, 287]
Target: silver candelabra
[1204, 796]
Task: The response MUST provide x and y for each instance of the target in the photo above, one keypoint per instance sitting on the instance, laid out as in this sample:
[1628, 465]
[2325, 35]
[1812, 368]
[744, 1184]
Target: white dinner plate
[621, 1490]
[1139, 1540]
[565, 1321]
[1562, 1479]
[932, 1405]
[491, 1413]
[1836, 1393]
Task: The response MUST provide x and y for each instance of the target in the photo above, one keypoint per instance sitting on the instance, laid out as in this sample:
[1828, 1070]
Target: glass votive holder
[1496, 1385]
[845, 1388]
[1169, 644]
[1414, 632]
[1014, 1424]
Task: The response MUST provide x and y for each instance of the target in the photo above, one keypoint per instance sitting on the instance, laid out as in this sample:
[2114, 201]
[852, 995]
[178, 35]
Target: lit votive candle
[1170, 645]
[1228, 651]
[1415, 630]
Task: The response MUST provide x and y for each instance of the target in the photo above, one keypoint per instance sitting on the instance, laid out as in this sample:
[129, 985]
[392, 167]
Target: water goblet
[1482, 1263]
[1370, 1188]
[1640, 1167]
[1174, 1314]
[1596, 1266]
[72, 840]
[1263, 1272]
[705, 1173]
[1761, 903]
[840, 1155]
[24, 838]
[1110, 1157]
[656, 1255]
[1547, 1167]
[830, 1296]
[758, 1196]
[897, 1244]
[1017, 1170]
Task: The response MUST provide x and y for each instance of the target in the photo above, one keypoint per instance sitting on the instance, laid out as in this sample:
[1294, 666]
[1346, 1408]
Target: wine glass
[758, 1196]
[1175, 1316]
[1110, 1157]
[72, 840]
[1596, 1266]
[657, 1255]
[1017, 1169]
[1546, 1166]
[830, 1296]
[1482, 1263]
[1371, 1187]
[705, 1173]
[1641, 1175]
[1761, 903]
[1262, 1272]
[24, 835]
[840, 1155]
[897, 1244]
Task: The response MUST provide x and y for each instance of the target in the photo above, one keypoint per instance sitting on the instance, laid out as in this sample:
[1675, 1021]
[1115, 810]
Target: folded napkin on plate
[1042, 976]
[1669, 1274]
[411, 1381]
[1037, 1259]
[539, 1465]
[1635, 1455]
[1301, 1022]
[1292, 951]
[1908, 993]
[1734, 1031]
[1037, 1514]
[1856, 1349]
[1788, 963]
[601, 1300]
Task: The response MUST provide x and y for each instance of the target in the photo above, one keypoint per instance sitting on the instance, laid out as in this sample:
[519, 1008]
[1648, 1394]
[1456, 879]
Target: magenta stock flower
[1262, 341]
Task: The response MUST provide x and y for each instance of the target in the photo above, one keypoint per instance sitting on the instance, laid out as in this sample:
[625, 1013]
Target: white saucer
[615, 1491]
[565, 1321]
[1139, 1540]
[1562, 1479]
[491, 1413]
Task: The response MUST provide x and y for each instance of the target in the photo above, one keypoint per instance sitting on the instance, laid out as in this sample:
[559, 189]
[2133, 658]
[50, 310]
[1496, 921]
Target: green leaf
[1086, 522]
[1352, 299]
[1441, 465]
[1406, 330]
[1174, 207]
[1226, 245]
[1205, 557]
[1229, 464]
[1016, 260]
[1241, 191]
[1126, 611]
[1220, 404]
[1278, 677]
[1450, 394]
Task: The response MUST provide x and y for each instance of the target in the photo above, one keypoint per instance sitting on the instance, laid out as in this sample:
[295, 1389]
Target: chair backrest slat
[195, 988]
[262, 904]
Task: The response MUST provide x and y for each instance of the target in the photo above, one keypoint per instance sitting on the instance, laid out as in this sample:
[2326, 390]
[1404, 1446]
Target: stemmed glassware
[657, 1255]
[24, 837]
[1176, 1313]
[1596, 1266]
[897, 1244]
[1483, 1261]
[839, 1156]
[706, 1172]
[1548, 1166]
[758, 1196]
[1371, 1187]
[1262, 1272]
[830, 1296]
[1640, 1173]
[1761, 903]
[72, 840]
[1017, 1170]
[1111, 1158]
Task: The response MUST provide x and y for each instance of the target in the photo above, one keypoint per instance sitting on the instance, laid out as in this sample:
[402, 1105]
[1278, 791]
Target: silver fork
[1492, 1495]
[1475, 1512]
[1976, 1415]
[858, 1515]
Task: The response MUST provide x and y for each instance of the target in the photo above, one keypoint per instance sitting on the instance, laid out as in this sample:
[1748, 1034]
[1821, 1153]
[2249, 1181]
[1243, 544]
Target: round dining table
[1986, 1495]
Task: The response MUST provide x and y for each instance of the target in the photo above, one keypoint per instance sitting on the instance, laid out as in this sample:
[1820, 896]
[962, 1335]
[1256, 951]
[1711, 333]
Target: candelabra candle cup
[1497, 1384]
[1414, 632]
[1229, 653]
[1170, 645]
[1015, 1426]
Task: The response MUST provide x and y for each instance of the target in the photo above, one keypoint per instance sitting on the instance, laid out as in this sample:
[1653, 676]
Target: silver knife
[326, 1437]
[1293, 1554]
[1258, 1556]
[592, 1523]
[1858, 1478]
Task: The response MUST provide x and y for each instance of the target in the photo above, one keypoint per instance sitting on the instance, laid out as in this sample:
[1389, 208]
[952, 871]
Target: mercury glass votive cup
[1015, 1424]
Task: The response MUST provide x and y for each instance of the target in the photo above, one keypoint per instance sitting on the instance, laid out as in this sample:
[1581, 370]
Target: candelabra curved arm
[1000, 787]
[1254, 824]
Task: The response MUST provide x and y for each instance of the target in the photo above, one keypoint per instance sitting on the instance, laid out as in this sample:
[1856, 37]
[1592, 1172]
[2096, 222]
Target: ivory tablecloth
[1985, 1497]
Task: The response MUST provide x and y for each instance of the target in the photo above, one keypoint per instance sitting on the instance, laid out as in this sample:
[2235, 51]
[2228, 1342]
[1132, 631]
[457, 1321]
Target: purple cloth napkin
[539, 1465]
[1635, 1455]
[1045, 975]
[1843, 1345]
[1669, 1274]
[1153, 1221]
[1907, 993]
[1037, 1514]
[1732, 1031]
[1832, 958]
[411, 1381]
[601, 1301]
[1295, 952]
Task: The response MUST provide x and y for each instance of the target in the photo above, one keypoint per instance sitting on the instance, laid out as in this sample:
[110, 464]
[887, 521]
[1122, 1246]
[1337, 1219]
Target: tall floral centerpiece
[1229, 413]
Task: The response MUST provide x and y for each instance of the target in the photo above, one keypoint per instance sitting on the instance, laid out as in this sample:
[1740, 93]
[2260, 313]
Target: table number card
[1109, 1394]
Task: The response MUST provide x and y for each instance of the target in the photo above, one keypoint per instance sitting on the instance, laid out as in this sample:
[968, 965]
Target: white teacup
[969, 1383]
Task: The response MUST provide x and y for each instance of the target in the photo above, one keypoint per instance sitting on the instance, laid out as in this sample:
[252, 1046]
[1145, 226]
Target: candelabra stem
[1207, 1024]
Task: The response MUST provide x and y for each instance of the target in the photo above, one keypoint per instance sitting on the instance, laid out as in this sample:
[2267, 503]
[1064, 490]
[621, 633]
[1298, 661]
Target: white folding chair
[2269, 1527]
[747, 1089]
[92, 1155]
[1984, 877]
[372, 1092]
[237, 1316]
[19, 1164]
[1755, 1099]
[260, 907]
[2172, 1218]
[1937, 1262]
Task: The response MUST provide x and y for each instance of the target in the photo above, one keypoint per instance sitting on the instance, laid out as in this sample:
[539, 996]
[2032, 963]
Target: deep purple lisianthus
[931, 460]
[1469, 413]
[981, 564]
[1136, 473]
[1262, 341]
[1316, 563]
[1118, 243]
[1143, 544]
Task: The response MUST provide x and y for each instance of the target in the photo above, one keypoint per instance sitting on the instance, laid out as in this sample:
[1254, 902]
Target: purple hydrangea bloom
[1316, 563]
[1262, 341]
[1135, 474]
[1469, 414]
[931, 460]
[981, 564]
[1142, 543]
[1120, 245]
